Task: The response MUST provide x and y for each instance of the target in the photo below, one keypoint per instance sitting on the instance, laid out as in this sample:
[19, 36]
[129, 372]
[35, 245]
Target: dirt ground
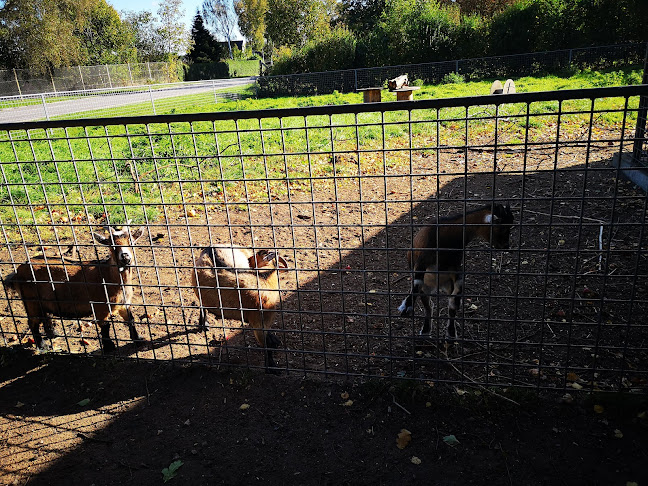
[563, 310]
[565, 304]
[75, 420]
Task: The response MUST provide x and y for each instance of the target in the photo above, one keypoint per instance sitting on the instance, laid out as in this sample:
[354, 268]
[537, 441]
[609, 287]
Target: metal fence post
[152, 102]
[148, 65]
[214, 90]
[130, 73]
[108, 73]
[457, 66]
[355, 73]
[45, 107]
[642, 115]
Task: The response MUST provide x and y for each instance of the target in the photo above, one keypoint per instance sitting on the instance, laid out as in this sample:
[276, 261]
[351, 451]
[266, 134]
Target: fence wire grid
[339, 192]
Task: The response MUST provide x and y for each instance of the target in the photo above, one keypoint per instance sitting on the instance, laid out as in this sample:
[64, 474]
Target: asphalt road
[90, 101]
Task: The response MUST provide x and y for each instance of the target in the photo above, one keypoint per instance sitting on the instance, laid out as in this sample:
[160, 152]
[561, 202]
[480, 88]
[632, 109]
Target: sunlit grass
[116, 173]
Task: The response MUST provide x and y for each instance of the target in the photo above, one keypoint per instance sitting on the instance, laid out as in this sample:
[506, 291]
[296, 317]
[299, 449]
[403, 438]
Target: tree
[294, 22]
[38, 35]
[146, 38]
[104, 38]
[172, 31]
[251, 20]
[205, 48]
[222, 17]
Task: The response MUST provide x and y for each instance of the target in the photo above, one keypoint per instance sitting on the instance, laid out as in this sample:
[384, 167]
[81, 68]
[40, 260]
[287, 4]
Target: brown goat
[236, 283]
[438, 253]
[64, 287]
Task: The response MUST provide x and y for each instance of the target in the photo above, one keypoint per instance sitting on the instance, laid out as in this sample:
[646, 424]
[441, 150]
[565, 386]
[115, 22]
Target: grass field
[114, 173]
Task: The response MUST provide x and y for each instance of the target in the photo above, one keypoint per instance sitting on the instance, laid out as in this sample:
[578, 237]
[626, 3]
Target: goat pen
[339, 192]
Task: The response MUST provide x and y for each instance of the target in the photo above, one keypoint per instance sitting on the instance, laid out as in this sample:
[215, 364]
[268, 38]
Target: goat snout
[125, 259]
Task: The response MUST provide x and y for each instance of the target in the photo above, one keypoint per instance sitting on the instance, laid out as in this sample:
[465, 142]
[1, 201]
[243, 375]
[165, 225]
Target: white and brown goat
[237, 283]
[63, 287]
[438, 253]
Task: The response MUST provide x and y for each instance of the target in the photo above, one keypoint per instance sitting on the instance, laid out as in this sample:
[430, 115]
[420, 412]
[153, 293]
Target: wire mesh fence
[132, 101]
[19, 82]
[324, 204]
[433, 73]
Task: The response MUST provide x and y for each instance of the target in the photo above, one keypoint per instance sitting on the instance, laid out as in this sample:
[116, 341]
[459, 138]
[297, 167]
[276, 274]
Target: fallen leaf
[19, 404]
[428, 404]
[170, 472]
[598, 408]
[576, 386]
[572, 377]
[348, 403]
[83, 402]
[415, 460]
[245, 406]
[344, 395]
[632, 483]
[404, 438]
[451, 440]
[618, 434]
[191, 213]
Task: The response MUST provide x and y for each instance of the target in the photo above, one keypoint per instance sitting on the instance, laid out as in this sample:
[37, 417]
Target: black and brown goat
[237, 283]
[63, 287]
[438, 253]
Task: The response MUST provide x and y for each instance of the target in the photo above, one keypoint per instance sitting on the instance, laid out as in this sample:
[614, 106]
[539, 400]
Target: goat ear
[102, 240]
[135, 235]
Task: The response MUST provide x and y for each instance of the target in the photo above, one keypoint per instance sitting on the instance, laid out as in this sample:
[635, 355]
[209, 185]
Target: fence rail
[135, 100]
[339, 192]
[509, 66]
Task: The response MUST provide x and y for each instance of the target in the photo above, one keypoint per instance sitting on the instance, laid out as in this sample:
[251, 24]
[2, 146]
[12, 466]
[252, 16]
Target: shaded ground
[142, 417]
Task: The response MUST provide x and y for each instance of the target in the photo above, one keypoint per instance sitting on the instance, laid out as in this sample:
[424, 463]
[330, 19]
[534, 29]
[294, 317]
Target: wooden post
[17, 83]
[52, 79]
[81, 74]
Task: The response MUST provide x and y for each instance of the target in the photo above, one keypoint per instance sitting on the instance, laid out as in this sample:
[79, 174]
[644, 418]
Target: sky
[190, 7]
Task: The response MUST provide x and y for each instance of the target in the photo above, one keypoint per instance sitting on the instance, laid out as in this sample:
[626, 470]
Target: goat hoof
[108, 346]
[273, 370]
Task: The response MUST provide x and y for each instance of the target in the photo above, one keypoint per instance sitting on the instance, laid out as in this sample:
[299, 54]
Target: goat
[438, 253]
[237, 283]
[67, 288]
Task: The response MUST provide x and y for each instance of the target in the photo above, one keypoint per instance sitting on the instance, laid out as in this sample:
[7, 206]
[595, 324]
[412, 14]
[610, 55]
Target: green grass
[87, 175]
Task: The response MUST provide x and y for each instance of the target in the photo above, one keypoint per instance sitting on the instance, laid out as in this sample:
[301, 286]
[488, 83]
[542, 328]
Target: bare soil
[74, 420]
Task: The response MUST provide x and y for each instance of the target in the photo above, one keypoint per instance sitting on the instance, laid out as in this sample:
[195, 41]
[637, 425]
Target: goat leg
[407, 306]
[427, 322]
[127, 315]
[202, 319]
[106, 343]
[454, 303]
[34, 327]
[272, 342]
[48, 327]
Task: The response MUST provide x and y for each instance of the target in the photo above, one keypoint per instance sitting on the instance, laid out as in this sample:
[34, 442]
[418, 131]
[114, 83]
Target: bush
[334, 51]
[221, 70]
[453, 78]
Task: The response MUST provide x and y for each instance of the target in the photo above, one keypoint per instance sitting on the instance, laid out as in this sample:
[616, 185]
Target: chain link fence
[20, 82]
[339, 193]
[433, 73]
